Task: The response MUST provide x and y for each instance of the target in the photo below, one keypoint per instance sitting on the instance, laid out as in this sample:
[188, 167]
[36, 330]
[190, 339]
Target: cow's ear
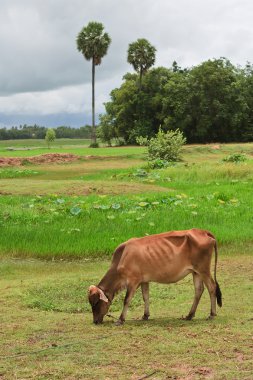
[102, 296]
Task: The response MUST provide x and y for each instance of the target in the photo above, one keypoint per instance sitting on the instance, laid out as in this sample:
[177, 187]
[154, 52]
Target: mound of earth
[56, 158]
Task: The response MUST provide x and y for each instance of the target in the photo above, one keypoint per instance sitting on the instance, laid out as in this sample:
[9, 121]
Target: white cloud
[69, 100]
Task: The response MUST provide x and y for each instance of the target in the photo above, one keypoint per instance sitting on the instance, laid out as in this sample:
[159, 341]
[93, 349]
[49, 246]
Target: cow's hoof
[145, 317]
[188, 317]
[210, 317]
[119, 322]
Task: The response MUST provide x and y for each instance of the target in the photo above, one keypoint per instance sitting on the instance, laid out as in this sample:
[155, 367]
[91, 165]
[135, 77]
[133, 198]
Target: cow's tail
[218, 291]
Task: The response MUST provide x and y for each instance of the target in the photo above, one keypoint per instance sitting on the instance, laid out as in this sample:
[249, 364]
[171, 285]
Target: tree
[141, 54]
[131, 113]
[246, 93]
[206, 102]
[50, 136]
[211, 102]
[93, 43]
[106, 130]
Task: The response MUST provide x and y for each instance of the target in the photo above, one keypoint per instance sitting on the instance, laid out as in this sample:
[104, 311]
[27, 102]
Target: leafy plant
[140, 173]
[158, 164]
[166, 146]
[235, 157]
[142, 141]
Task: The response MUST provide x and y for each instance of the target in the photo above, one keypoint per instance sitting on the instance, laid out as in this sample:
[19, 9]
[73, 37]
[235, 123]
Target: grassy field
[59, 224]
[47, 331]
[27, 148]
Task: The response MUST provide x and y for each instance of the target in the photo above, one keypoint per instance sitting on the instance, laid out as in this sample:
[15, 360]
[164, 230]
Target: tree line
[210, 102]
[39, 132]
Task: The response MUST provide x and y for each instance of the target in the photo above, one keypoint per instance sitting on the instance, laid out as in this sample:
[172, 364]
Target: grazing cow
[164, 258]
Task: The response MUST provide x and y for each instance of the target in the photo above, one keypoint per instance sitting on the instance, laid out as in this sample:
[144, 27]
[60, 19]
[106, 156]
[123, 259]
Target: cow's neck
[111, 283]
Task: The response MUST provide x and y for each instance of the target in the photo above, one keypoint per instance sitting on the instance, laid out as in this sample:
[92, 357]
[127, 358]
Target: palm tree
[141, 54]
[93, 43]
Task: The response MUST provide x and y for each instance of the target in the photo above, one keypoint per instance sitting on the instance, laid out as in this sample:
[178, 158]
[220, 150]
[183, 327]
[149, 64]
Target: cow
[163, 258]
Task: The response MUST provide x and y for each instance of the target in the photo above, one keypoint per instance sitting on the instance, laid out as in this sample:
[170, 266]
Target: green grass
[115, 151]
[60, 226]
[28, 148]
[17, 173]
[47, 330]
[41, 143]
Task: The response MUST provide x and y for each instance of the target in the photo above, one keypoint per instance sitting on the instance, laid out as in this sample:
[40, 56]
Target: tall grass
[49, 227]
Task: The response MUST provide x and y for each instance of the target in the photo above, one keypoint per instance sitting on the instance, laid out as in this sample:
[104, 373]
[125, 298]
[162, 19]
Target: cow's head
[99, 303]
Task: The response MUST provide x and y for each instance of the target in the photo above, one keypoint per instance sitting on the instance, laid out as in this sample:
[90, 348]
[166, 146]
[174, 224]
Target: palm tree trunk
[94, 137]
[141, 74]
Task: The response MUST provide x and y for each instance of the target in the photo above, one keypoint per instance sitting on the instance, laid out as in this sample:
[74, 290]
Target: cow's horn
[93, 289]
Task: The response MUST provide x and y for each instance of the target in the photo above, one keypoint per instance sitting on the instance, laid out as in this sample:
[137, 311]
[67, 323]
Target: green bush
[142, 141]
[166, 146]
[94, 145]
[235, 157]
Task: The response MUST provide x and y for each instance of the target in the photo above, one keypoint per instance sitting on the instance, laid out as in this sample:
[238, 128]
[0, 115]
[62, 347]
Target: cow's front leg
[145, 295]
[129, 295]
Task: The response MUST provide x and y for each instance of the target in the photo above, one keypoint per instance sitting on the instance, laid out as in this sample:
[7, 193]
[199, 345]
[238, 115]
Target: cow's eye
[95, 305]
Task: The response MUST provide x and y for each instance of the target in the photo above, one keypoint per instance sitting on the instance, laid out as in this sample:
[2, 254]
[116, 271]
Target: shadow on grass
[164, 322]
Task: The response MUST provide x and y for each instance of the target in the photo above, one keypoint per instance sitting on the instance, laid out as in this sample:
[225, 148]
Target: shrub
[235, 157]
[120, 142]
[94, 145]
[142, 141]
[166, 146]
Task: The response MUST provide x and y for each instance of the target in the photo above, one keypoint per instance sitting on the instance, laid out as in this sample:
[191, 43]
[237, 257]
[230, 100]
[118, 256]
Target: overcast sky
[45, 80]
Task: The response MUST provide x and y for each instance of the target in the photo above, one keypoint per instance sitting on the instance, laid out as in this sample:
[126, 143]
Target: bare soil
[56, 158]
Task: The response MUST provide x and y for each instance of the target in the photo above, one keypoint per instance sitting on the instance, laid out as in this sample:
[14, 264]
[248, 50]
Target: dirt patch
[56, 158]
[185, 372]
[51, 158]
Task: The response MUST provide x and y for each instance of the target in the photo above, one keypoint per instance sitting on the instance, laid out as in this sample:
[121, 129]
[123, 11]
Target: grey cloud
[37, 38]
[38, 50]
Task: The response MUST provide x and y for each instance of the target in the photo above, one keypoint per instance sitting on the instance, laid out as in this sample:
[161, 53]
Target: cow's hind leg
[145, 295]
[211, 286]
[129, 295]
[199, 288]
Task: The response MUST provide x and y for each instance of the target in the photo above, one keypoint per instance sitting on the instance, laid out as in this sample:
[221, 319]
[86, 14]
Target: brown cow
[165, 258]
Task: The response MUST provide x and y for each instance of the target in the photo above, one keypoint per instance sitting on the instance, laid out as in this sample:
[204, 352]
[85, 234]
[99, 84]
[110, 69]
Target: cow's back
[165, 257]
